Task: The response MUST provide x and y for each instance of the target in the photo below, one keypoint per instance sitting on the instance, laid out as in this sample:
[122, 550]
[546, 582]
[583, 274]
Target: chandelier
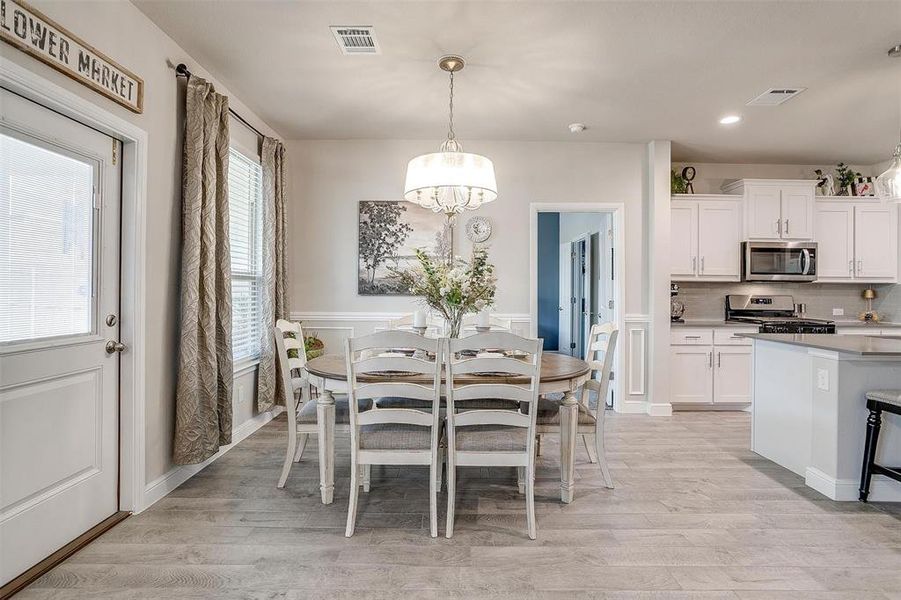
[450, 180]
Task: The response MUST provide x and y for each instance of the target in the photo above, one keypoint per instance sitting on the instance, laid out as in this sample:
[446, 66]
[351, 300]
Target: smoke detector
[577, 127]
[775, 96]
[356, 39]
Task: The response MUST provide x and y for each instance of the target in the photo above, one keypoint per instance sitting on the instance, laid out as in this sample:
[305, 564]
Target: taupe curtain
[203, 401]
[275, 267]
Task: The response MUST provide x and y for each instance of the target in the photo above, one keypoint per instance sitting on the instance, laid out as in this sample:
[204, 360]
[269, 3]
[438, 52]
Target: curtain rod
[182, 71]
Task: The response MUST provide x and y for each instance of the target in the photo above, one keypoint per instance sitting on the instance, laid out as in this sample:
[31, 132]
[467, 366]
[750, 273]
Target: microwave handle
[805, 261]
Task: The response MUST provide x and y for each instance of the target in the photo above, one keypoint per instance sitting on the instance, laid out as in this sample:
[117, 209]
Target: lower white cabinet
[691, 374]
[732, 374]
[710, 366]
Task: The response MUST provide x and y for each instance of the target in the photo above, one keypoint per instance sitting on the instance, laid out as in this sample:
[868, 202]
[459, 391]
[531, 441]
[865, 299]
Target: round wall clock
[478, 229]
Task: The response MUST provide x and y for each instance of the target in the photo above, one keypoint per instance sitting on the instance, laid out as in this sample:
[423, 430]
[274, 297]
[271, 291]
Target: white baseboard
[633, 407]
[882, 489]
[662, 409]
[161, 486]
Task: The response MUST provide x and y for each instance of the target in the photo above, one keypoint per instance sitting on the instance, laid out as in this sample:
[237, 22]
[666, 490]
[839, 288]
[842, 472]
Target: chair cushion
[491, 438]
[482, 403]
[307, 413]
[395, 436]
[549, 413]
[889, 396]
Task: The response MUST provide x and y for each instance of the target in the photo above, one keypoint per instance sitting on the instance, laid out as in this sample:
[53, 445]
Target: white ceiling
[631, 71]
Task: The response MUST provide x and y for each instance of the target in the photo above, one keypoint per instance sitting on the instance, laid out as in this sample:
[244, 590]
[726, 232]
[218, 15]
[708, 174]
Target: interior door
[59, 279]
[566, 298]
[835, 237]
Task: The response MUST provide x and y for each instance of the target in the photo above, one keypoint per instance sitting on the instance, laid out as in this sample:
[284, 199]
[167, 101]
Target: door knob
[113, 346]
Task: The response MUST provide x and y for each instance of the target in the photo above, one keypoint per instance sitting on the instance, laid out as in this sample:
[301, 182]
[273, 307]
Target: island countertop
[858, 345]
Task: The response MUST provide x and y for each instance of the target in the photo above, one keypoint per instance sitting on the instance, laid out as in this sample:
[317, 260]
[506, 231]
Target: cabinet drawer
[691, 337]
[728, 337]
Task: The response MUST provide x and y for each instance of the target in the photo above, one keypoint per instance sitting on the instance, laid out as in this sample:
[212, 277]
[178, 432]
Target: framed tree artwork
[389, 232]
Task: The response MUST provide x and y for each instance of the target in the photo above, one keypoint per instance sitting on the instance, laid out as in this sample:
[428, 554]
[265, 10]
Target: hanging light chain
[450, 126]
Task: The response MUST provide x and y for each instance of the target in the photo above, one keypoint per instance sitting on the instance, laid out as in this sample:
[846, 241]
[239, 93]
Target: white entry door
[59, 306]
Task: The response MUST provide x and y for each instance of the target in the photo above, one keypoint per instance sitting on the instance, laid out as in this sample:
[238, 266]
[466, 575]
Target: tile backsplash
[706, 300]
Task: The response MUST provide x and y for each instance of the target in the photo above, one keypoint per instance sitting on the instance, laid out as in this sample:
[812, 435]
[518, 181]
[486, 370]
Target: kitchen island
[809, 412]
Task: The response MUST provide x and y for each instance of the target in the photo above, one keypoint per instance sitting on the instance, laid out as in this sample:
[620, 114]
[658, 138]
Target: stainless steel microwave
[779, 261]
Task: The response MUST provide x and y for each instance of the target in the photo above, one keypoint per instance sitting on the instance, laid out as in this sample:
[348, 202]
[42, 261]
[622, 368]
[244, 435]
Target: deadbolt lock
[111, 320]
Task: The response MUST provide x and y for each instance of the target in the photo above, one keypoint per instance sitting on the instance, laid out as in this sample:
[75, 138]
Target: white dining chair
[495, 323]
[478, 367]
[297, 396]
[599, 353]
[397, 435]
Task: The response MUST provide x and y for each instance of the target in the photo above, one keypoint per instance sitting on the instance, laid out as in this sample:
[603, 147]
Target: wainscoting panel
[634, 340]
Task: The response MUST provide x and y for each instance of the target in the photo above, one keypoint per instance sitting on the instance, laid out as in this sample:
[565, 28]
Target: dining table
[560, 373]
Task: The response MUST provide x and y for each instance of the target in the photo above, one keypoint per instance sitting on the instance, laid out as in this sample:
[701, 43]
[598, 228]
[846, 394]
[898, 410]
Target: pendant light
[888, 185]
[450, 180]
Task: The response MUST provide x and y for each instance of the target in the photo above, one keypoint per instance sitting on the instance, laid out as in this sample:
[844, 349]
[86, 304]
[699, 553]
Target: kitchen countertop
[867, 324]
[844, 323]
[712, 323]
[858, 345]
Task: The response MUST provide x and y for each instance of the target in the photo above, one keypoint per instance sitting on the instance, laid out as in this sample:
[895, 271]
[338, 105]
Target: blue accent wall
[549, 279]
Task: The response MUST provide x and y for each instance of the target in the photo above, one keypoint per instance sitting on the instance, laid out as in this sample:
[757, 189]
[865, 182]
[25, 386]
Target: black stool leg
[874, 424]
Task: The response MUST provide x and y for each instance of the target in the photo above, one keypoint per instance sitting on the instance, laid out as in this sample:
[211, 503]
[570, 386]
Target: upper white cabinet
[857, 240]
[776, 209]
[705, 241]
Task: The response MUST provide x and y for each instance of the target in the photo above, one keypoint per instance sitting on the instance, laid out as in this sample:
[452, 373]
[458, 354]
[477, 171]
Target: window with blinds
[46, 242]
[245, 196]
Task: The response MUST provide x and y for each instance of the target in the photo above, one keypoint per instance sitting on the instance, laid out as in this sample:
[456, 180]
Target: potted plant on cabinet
[846, 178]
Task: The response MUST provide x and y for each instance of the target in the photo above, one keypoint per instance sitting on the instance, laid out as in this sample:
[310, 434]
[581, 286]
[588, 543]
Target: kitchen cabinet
[776, 209]
[691, 378]
[710, 366]
[732, 374]
[705, 241]
[875, 243]
[857, 241]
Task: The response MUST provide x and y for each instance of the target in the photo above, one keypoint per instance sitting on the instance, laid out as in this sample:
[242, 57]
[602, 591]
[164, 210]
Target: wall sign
[27, 29]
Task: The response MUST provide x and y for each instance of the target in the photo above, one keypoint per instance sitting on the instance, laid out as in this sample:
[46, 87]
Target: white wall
[121, 31]
[328, 178]
[573, 225]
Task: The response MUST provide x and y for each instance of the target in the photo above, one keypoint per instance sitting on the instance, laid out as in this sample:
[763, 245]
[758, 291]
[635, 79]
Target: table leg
[325, 420]
[569, 421]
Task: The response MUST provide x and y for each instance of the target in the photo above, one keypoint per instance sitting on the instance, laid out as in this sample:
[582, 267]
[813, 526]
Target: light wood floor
[695, 515]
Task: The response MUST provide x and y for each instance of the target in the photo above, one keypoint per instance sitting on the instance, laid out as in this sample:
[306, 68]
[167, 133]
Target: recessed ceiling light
[577, 127]
[895, 51]
[730, 120]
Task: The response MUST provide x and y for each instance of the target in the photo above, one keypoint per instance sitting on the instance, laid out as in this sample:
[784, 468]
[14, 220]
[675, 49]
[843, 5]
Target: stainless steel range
[773, 314]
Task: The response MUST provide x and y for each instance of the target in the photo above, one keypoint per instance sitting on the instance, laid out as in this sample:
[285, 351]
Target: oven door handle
[805, 261]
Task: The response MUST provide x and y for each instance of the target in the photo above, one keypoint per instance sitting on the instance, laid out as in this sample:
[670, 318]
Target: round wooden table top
[554, 367]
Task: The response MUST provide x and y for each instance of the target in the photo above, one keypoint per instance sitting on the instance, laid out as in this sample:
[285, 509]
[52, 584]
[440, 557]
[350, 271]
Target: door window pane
[46, 242]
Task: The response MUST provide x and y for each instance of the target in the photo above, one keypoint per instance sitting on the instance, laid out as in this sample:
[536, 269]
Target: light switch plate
[838, 312]
[823, 380]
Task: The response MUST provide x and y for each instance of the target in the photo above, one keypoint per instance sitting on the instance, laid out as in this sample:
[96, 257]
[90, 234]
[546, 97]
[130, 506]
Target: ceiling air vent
[356, 39]
[775, 96]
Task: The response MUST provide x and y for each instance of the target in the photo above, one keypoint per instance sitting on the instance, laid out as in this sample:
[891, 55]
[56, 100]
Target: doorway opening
[576, 268]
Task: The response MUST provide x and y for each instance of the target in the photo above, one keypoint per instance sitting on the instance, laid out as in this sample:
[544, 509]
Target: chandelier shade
[450, 182]
[888, 185]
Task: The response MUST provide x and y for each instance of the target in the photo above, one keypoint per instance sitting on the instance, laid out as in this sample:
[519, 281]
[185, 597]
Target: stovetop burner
[773, 314]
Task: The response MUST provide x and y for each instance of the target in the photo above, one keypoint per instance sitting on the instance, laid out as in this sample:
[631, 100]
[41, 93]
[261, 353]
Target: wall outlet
[823, 380]
[838, 312]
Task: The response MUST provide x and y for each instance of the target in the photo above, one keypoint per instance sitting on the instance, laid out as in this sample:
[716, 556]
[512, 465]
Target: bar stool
[877, 401]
